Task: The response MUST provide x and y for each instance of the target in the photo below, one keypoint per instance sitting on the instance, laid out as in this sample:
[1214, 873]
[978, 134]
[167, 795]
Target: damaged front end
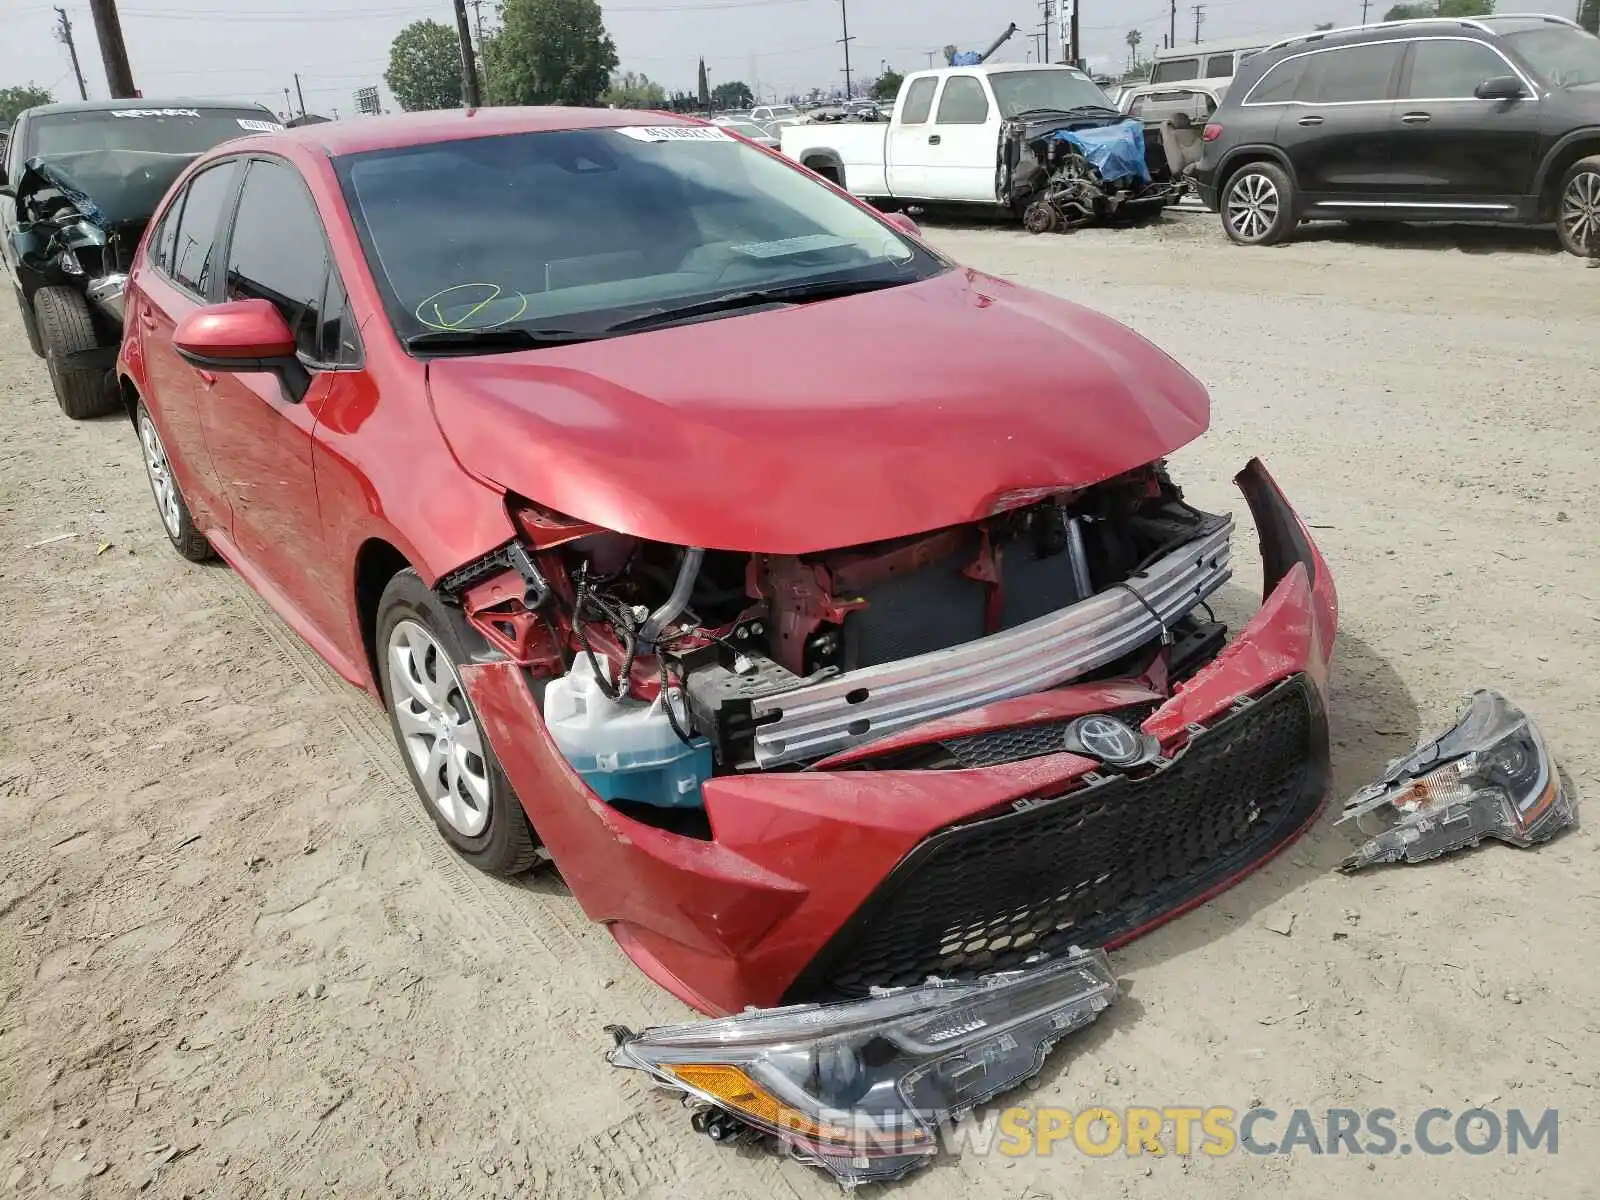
[79, 221]
[1488, 776]
[797, 778]
[864, 1088]
[1063, 173]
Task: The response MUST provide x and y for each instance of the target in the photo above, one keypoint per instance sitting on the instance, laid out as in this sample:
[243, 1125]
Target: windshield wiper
[501, 337]
[1067, 112]
[799, 293]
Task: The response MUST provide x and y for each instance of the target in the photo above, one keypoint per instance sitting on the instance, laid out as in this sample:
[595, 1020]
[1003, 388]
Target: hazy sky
[252, 48]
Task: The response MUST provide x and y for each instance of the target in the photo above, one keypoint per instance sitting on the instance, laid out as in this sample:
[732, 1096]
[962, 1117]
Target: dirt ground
[235, 960]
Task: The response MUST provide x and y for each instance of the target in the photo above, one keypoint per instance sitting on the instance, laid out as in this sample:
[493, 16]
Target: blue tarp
[966, 58]
[1116, 151]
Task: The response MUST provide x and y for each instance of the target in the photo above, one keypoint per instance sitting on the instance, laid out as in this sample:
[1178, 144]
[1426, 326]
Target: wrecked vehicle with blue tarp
[78, 185]
[1065, 170]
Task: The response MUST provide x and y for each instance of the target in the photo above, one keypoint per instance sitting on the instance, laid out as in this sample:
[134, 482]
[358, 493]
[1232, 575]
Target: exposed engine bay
[1064, 174]
[80, 219]
[745, 662]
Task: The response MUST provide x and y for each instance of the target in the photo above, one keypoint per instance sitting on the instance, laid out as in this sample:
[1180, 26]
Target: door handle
[934, 139]
[1416, 118]
[1309, 121]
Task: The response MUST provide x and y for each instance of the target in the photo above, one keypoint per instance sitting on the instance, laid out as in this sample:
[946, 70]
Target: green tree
[733, 94]
[1440, 8]
[1589, 15]
[14, 99]
[1134, 39]
[634, 91]
[887, 85]
[425, 67]
[550, 52]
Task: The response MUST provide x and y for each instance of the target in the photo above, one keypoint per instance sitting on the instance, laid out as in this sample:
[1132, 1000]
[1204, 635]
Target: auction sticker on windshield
[674, 133]
[259, 126]
[155, 112]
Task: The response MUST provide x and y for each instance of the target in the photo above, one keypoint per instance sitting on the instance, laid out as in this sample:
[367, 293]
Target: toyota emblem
[1113, 742]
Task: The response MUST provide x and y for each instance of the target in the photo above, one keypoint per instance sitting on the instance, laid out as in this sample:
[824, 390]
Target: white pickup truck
[948, 140]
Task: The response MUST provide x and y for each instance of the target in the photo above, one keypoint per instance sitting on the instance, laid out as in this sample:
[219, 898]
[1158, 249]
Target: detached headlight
[1488, 776]
[861, 1088]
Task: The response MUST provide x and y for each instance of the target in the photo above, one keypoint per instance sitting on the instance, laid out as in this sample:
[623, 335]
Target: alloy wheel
[161, 480]
[437, 728]
[1580, 211]
[1253, 206]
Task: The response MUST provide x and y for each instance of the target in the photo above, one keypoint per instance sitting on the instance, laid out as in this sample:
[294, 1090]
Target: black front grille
[1090, 866]
[997, 746]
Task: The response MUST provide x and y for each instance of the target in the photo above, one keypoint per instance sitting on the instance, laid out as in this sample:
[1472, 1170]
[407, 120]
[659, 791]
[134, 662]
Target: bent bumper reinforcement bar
[859, 706]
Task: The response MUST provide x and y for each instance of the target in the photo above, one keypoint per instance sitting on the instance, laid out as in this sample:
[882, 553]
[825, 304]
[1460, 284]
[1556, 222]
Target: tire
[1258, 205]
[66, 328]
[170, 504]
[1578, 208]
[462, 785]
[30, 324]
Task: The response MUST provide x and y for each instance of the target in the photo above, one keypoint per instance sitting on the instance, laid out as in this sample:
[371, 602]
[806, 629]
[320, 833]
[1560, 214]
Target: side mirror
[903, 223]
[242, 336]
[1501, 87]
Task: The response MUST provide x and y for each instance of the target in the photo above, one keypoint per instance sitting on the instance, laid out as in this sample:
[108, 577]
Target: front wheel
[1578, 221]
[448, 757]
[1258, 205]
[66, 330]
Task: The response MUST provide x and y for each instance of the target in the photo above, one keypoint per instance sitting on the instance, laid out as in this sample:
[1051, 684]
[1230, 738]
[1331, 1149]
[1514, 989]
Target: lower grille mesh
[1089, 867]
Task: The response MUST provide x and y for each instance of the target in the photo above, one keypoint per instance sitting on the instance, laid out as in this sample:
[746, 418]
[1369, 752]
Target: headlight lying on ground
[861, 1088]
[1488, 776]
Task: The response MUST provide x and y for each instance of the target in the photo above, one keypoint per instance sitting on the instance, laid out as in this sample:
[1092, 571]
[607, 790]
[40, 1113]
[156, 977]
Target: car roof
[1477, 28]
[395, 131]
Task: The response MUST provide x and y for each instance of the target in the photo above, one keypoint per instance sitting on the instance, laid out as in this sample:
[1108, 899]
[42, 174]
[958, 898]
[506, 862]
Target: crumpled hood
[826, 425]
[110, 187]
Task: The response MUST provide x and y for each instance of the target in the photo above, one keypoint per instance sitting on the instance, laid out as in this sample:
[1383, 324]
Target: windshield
[580, 229]
[747, 129]
[1058, 91]
[782, 110]
[1565, 56]
[185, 131]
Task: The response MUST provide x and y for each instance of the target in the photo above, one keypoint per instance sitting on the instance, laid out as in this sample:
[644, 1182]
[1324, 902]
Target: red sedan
[824, 610]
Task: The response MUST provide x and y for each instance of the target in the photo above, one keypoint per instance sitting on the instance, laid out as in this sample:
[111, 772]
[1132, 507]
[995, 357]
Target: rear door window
[1355, 74]
[194, 248]
[963, 102]
[278, 251]
[1451, 69]
[1219, 66]
[1173, 70]
[1159, 106]
[919, 101]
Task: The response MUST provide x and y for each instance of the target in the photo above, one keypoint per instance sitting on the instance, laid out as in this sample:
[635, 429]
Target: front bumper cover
[736, 920]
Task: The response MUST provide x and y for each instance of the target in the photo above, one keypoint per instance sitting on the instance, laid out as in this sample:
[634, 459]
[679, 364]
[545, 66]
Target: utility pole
[483, 55]
[64, 36]
[844, 17]
[1076, 57]
[469, 67]
[108, 29]
[1365, 4]
[1172, 26]
[931, 53]
[1044, 25]
[1199, 19]
[288, 106]
[299, 94]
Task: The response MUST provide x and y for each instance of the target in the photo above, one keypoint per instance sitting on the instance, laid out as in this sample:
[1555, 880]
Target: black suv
[1483, 119]
[78, 183]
